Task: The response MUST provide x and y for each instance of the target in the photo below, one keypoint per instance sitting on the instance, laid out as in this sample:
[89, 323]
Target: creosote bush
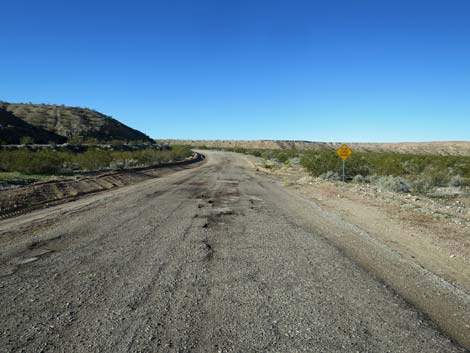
[421, 172]
[394, 184]
[59, 162]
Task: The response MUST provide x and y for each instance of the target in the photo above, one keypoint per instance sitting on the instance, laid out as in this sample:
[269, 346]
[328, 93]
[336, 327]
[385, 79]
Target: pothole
[207, 251]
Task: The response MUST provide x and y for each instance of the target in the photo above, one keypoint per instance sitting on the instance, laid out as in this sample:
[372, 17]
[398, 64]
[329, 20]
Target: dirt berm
[48, 193]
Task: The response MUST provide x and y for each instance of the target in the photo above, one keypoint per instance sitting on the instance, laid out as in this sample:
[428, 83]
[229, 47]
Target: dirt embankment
[14, 201]
[457, 148]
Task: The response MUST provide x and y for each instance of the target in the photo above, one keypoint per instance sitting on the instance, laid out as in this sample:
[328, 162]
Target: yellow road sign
[344, 152]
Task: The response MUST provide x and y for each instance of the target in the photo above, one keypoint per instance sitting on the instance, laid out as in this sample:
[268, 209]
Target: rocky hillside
[13, 130]
[457, 148]
[64, 122]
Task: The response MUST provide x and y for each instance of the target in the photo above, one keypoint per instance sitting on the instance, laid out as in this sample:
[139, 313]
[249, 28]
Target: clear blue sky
[351, 70]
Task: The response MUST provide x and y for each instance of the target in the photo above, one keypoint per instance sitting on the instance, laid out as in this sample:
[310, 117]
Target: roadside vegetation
[389, 171]
[50, 162]
[392, 171]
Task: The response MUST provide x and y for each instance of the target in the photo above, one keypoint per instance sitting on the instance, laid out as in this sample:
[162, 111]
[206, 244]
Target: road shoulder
[416, 259]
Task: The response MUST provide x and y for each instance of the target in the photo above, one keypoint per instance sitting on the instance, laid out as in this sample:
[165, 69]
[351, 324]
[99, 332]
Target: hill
[13, 129]
[68, 123]
[456, 148]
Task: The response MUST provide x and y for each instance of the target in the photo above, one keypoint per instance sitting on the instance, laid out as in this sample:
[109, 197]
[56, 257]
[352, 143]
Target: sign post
[344, 152]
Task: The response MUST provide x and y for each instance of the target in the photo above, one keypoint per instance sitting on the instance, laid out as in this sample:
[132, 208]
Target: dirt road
[213, 259]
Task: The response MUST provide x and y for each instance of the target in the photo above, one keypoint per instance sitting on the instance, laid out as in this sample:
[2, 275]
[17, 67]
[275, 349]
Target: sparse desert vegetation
[31, 178]
[395, 172]
[52, 162]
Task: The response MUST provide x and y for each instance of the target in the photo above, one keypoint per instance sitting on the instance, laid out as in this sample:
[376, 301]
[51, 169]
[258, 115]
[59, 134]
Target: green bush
[422, 185]
[424, 169]
[282, 157]
[320, 162]
[394, 184]
[55, 162]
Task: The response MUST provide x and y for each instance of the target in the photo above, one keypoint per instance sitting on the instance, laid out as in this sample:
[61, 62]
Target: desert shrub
[57, 162]
[290, 154]
[45, 162]
[124, 163]
[294, 161]
[41, 162]
[438, 174]
[394, 184]
[359, 179]
[93, 160]
[455, 181]
[178, 152]
[422, 172]
[267, 155]
[422, 185]
[329, 175]
[320, 162]
[282, 157]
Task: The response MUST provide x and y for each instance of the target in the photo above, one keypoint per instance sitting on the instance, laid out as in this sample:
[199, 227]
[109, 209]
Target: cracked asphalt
[203, 260]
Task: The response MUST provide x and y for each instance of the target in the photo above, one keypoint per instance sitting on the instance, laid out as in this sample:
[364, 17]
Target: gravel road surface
[203, 260]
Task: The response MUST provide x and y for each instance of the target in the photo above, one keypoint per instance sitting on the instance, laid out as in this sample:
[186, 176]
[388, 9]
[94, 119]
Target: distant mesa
[43, 123]
[457, 148]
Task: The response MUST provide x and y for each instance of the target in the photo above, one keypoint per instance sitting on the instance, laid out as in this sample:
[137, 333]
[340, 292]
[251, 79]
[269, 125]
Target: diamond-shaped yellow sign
[344, 152]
